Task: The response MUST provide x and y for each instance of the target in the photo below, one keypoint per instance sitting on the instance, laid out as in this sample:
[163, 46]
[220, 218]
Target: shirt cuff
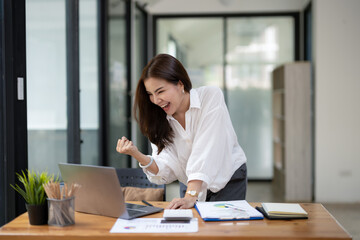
[156, 178]
[199, 176]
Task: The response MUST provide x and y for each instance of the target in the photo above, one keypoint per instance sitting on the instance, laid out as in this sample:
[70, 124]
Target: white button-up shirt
[207, 149]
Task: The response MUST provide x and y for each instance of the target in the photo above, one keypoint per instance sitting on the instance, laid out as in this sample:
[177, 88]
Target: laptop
[100, 192]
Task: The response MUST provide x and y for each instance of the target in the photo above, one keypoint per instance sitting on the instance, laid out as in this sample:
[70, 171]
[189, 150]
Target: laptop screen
[100, 192]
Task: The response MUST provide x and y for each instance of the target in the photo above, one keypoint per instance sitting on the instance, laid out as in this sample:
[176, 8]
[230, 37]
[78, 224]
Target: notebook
[283, 211]
[100, 192]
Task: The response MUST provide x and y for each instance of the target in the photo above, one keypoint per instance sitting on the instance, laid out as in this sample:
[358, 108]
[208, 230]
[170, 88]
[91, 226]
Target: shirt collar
[194, 102]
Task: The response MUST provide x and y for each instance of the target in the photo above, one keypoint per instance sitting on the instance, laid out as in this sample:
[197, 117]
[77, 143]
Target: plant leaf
[33, 191]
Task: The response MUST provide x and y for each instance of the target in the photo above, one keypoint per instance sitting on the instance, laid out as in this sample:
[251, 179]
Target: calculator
[177, 214]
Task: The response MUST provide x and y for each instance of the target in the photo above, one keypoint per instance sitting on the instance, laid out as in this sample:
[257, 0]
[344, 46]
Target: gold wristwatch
[192, 193]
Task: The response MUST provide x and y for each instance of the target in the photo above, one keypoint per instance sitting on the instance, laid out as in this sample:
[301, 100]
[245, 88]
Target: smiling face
[168, 96]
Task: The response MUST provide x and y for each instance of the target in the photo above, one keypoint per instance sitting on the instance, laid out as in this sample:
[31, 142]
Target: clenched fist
[126, 146]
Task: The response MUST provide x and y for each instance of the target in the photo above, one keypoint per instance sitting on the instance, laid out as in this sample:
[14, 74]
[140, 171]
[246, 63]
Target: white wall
[337, 78]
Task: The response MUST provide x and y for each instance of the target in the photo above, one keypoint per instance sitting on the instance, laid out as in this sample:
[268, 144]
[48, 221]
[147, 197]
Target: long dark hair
[151, 118]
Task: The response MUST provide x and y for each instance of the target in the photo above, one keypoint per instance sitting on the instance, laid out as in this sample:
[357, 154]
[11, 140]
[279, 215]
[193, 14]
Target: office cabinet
[292, 141]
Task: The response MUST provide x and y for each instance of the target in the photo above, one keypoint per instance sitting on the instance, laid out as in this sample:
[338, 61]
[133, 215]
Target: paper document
[152, 225]
[227, 210]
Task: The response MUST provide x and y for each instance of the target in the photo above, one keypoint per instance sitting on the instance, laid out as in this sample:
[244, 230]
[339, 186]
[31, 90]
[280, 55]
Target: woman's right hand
[126, 146]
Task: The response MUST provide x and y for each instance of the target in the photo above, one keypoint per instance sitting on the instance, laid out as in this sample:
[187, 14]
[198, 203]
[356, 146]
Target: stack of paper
[227, 211]
[284, 210]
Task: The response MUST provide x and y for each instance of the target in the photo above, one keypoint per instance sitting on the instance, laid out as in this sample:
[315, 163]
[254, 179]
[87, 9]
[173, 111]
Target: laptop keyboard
[134, 209]
[134, 212]
[134, 206]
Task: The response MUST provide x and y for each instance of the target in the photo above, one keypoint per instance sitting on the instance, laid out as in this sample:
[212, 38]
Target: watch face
[192, 193]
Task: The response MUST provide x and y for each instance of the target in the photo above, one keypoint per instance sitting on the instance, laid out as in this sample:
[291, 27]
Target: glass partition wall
[236, 54]
[197, 43]
[46, 71]
[89, 83]
[117, 82]
[46, 84]
[140, 57]
[255, 46]
[127, 55]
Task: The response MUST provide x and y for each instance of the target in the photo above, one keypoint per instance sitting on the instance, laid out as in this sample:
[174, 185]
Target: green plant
[33, 191]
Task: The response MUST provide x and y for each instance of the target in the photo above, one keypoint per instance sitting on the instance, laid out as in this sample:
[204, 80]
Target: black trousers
[235, 189]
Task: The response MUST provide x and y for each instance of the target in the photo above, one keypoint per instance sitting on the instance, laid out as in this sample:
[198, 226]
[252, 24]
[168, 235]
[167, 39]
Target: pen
[233, 207]
[147, 203]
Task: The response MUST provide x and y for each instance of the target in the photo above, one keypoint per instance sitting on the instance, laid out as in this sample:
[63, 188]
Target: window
[237, 54]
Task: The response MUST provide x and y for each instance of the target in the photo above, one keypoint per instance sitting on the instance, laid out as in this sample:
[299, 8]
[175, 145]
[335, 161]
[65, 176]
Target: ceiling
[221, 6]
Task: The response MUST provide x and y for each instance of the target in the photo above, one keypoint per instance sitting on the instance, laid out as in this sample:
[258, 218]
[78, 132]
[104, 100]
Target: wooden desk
[320, 225]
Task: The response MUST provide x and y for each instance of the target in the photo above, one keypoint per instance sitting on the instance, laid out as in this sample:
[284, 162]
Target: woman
[192, 136]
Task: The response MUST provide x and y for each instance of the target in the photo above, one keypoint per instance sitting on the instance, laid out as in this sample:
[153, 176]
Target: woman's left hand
[182, 203]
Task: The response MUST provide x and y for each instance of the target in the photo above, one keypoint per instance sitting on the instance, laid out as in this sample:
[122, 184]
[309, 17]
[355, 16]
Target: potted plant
[34, 194]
